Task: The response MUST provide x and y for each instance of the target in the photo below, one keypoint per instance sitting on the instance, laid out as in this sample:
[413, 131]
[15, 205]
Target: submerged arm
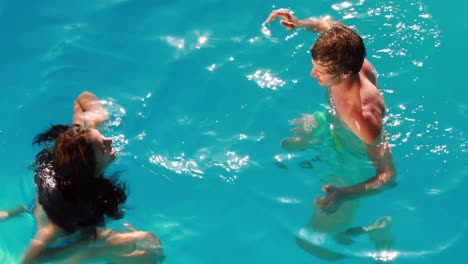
[6, 214]
[110, 246]
[146, 247]
[44, 237]
[381, 157]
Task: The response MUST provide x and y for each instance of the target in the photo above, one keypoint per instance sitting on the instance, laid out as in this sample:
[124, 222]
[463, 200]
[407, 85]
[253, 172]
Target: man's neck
[348, 87]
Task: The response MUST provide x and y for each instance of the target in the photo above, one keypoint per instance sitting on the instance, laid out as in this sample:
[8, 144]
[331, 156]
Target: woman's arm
[6, 214]
[145, 247]
[102, 254]
[137, 247]
[87, 109]
[138, 257]
[44, 237]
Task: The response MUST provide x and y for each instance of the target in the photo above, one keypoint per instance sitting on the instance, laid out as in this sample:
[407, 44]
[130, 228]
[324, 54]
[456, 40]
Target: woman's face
[103, 151]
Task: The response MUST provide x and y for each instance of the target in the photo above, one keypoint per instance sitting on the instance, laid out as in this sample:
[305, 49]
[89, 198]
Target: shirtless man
[339, 64]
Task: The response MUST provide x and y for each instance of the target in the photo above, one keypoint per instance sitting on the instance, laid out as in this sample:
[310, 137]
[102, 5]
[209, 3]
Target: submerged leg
[379, 233]
[280, 164]
[319, 252]
[323, 227]
[305, 164]
[293, 144]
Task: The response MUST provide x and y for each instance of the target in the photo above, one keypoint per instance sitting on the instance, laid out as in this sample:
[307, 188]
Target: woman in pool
[74, 199]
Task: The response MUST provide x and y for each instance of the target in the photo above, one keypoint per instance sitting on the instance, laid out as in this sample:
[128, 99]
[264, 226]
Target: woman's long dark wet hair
[72, 195]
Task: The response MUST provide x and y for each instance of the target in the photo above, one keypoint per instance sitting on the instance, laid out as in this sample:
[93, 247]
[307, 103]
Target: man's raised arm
[290, 22]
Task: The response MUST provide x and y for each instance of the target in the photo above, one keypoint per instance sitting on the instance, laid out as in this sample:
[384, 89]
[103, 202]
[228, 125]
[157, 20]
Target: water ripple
[188, 43]
[404, 30]
[178, 164]
[265, 79]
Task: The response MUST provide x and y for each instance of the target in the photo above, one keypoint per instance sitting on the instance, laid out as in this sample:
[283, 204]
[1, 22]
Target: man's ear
[346, 75]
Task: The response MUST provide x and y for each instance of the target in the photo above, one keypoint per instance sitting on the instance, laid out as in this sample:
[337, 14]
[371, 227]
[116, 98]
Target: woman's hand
[87, 108]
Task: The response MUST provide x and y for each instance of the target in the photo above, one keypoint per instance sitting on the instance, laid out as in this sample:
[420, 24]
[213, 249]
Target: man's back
[359, 104]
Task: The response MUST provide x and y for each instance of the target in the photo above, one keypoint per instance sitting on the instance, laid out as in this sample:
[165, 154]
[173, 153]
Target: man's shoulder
[372, 112]
[369, 72]
[372, 103]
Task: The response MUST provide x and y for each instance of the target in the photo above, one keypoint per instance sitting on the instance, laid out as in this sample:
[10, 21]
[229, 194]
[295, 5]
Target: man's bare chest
[347, 111]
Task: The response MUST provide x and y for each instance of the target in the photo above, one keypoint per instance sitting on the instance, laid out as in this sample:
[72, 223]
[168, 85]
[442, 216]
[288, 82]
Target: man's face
[324, 78]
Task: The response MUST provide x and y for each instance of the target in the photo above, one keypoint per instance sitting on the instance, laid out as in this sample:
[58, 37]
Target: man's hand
[332, 200]
[305, 125]
[288, 20]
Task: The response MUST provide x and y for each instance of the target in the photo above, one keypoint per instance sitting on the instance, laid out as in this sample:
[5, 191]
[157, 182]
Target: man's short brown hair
[340, 49]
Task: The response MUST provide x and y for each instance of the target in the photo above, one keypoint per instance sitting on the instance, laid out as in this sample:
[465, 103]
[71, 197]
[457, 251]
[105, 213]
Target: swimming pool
[201, 94]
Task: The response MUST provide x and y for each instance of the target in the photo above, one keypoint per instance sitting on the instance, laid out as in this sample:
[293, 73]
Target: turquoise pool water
[201, 93]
